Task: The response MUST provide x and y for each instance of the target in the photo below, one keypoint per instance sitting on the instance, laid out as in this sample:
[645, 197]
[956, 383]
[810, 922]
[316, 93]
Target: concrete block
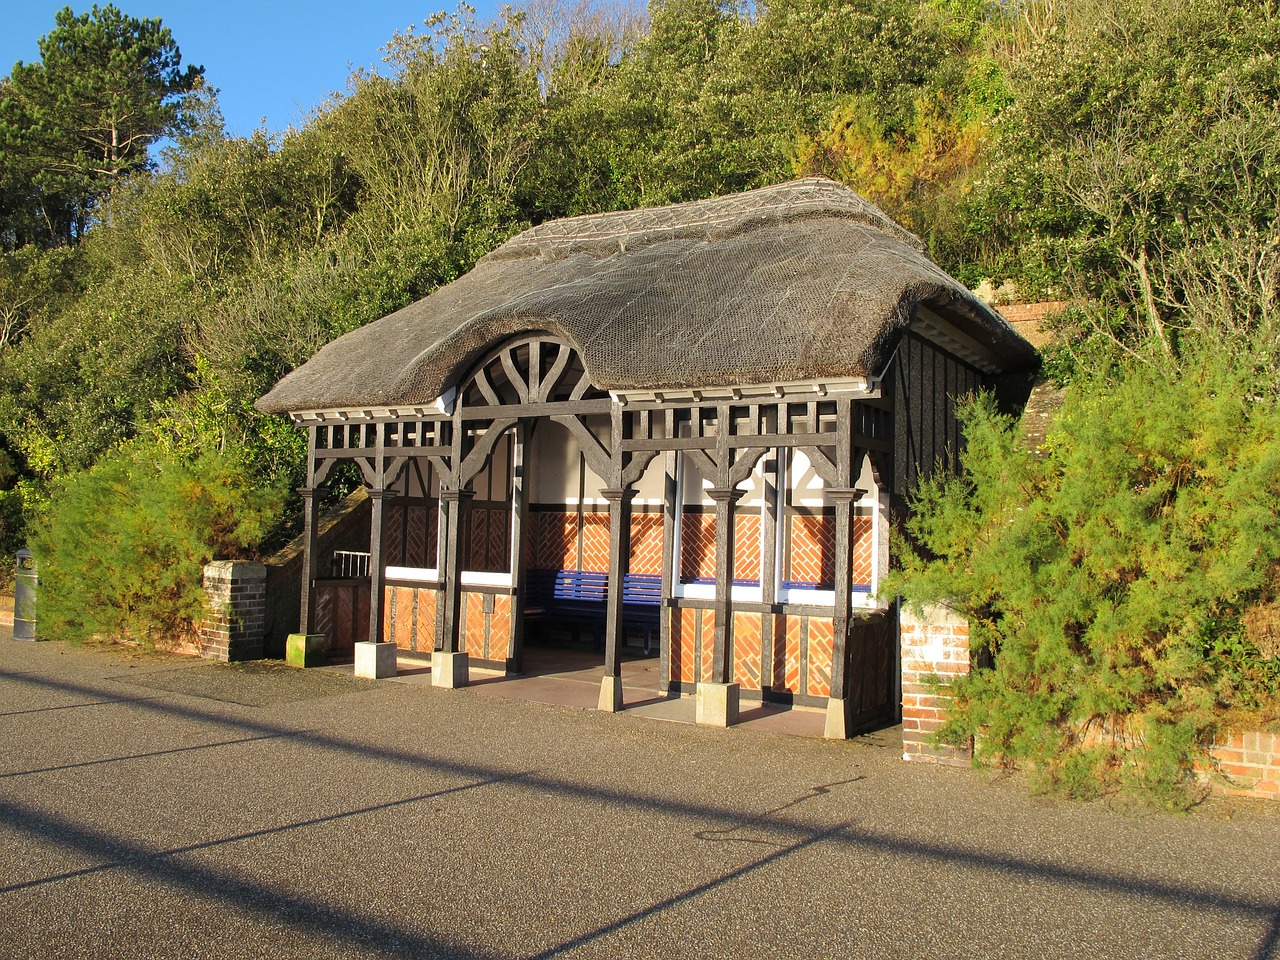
[610, 694]
[448, 669]
[837, 721]
[716, 704]
[306, 649]
[375, 661]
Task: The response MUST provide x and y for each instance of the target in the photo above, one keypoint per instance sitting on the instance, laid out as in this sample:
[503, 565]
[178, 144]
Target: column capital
[844, 494]
[453, 495]
[308, 492]
[725, 494]
[379, 493]
[617, 496]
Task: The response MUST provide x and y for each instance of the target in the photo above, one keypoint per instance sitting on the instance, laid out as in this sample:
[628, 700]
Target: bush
[1111, 574]
[122, 546]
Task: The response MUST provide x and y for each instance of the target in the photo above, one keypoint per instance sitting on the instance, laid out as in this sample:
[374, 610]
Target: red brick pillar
[236, 619]
[934, 644]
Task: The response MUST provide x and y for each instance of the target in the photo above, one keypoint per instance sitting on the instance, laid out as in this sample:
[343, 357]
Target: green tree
[1139, 142]
[1112, 573]
[107, 86]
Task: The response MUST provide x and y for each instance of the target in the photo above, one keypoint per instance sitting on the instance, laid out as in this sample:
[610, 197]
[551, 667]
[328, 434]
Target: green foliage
[121, 546]
[107, 86]
[1110, 571]
[1139, 142]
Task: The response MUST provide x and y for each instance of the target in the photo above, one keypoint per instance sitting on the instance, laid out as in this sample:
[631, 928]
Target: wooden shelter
[685, 425]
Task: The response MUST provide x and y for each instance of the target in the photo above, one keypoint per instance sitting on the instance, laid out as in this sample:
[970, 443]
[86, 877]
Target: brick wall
[1248, 764]
[236, 621]
[934, 643]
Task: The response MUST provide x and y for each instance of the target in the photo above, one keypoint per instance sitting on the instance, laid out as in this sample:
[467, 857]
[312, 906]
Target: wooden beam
[598, 458]
[479, 455]
[559, 408]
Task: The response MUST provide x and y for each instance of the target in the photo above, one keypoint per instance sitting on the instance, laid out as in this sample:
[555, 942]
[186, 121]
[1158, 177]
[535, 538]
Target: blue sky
[271, 59]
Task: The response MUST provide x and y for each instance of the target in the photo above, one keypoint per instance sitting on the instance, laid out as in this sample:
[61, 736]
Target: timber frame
[723, 432]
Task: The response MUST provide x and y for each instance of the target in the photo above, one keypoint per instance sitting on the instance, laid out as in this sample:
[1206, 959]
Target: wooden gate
[342, 613]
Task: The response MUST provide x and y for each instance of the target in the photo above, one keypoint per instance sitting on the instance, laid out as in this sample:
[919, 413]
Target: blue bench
[578, 597]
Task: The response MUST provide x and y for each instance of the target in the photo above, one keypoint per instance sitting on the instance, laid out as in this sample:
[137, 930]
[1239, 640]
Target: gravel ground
[153, 806]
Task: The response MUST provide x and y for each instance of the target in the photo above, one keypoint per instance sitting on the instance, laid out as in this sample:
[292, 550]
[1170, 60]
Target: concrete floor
[164, 807]
[570, 677]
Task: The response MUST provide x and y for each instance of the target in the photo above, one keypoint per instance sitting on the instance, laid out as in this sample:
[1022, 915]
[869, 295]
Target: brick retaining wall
[1248, 763]
[935, 643]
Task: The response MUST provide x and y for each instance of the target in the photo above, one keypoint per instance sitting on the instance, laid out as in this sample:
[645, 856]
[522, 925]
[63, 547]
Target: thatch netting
[801, 281]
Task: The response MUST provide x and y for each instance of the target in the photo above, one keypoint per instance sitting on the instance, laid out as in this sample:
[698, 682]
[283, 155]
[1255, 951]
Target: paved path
[158, 807]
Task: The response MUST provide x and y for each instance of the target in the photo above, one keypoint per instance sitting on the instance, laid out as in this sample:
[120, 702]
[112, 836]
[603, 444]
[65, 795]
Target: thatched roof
[802, 281]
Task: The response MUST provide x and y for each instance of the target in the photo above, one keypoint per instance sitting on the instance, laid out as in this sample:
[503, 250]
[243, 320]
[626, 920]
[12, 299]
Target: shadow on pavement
[359, 930]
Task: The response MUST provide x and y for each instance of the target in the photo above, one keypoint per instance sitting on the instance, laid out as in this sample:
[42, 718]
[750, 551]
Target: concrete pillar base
[448, 669]
[306, 649]
[375, 661]
[837, 723]
[610, 695]
[717, 704]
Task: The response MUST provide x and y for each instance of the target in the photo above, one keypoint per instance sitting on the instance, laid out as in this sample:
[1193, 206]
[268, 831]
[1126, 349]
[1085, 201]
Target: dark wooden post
[769, 530]
[619, 564]
[725, 499]
[671, 510]
[451, 566]
[519, 541]
[307, 649]
[375, 658]
[449, 663]
[377, 564]
[844, 499]
[310, 546]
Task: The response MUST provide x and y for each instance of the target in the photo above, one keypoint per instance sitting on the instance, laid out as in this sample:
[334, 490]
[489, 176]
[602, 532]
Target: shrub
[1112, 573]
[121, 546]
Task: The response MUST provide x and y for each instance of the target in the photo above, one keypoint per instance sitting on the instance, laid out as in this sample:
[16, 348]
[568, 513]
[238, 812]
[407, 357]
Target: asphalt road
[159, 807]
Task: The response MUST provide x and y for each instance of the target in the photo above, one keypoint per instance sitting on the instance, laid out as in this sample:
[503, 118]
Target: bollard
[24, 597]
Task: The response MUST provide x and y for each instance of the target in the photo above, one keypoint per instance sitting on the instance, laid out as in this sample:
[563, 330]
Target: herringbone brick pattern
[500, 628]
[812, 551]
[595, 542]
[746, 547]
[684, 645]
[786, 656]
[397, 616]
[392, 539]
[421, 535]
[646, 543]
[411, 542]
[473, 625]
[698, 547]
[488, 539]
[820, 646]
[746, 650]
[554, 540]
[424, 630]
[862, 550]
[706, 658]
[350, 618]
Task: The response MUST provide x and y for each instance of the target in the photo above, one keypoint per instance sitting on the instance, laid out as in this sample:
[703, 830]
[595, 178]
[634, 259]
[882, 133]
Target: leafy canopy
[107, 86]
[1111, 573]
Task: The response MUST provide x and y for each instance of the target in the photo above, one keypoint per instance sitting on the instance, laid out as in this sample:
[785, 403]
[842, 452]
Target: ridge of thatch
[801, 281]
